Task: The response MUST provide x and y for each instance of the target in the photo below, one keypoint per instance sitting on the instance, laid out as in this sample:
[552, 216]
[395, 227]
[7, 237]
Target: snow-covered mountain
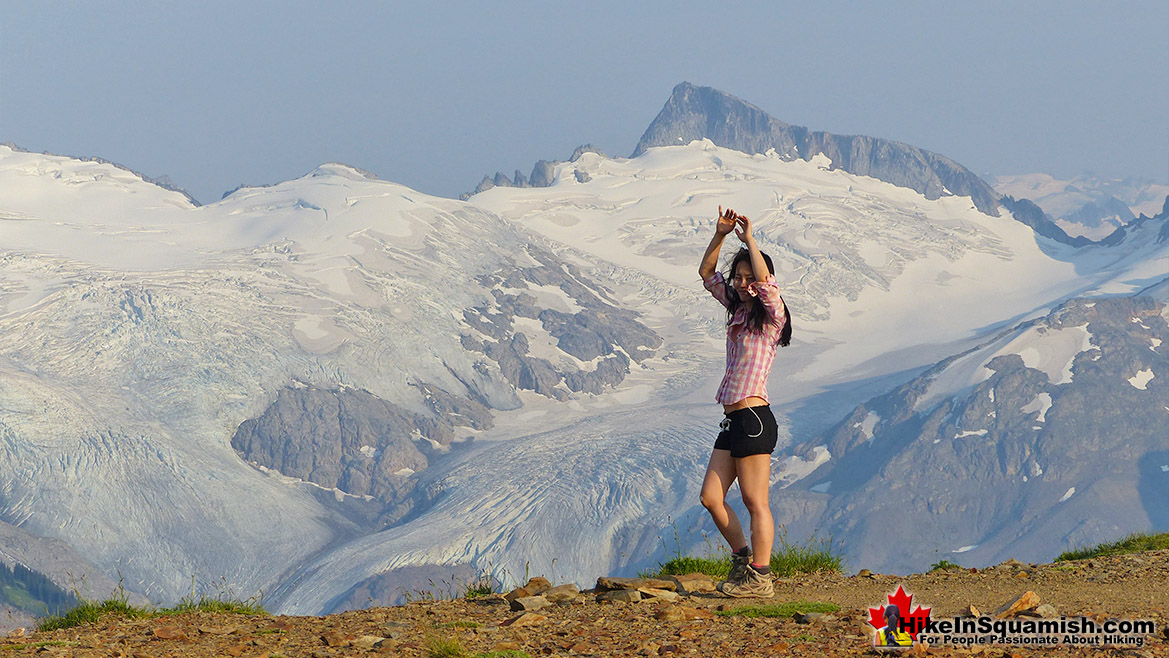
[322, 387]
[1052, 433]
[1087, 205]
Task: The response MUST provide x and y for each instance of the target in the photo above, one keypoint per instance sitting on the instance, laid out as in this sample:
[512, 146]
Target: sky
[434, 95]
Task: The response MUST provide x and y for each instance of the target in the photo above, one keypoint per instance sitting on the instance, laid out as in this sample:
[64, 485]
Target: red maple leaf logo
[913, 621]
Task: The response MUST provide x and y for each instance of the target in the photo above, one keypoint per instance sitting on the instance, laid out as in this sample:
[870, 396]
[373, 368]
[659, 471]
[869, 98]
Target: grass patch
[785, 609]
[88, 612]
[484, 585]
[715, 567]
[218, 605]
[38, 645]
[944, 565]
[1134, 543]
[787, 559]
[437, 647]
[816, 555]
[803, 637]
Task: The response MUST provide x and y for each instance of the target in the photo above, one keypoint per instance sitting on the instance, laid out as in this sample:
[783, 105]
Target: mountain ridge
[694, 112]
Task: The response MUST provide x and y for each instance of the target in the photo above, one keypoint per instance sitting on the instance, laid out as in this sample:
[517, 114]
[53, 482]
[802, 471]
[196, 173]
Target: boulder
[538, 584]
[620, 595]
[518, 593]
[562, 593]
[692, 583]
[526, 619]
[529, 603]
[655, 593]
[610, 583]
[1026, 601]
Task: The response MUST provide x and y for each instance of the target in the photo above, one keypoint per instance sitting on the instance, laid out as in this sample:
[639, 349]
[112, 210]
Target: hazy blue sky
[436, 94]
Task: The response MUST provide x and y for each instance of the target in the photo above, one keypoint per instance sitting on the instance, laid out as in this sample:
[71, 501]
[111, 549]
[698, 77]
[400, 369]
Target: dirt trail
[1134, 586]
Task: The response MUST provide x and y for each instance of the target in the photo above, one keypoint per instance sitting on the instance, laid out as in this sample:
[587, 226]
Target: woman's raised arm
[758, 265]
[726, 224]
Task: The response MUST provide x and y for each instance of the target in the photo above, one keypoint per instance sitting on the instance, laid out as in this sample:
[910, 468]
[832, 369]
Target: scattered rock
[621, 595]
[809, 617]
[506, 646]
[218, 630]
[865, 573]
[337, 639]
[682, 613]
[526, 619]
[16, 632]
[394, 629]
[538, 584]
[368, 641]
[1047, 611]
[971, 611]
[170, 633]
[529, 603]
[1025, 601]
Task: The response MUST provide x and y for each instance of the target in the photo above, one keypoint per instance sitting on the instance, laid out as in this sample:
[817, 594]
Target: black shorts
[746, 432]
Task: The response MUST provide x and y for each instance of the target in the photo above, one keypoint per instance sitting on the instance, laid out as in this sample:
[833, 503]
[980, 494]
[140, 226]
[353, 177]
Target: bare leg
[720, 473]
[754, 481]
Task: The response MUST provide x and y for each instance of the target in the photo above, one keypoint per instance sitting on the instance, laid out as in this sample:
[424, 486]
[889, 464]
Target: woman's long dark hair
[758, 314]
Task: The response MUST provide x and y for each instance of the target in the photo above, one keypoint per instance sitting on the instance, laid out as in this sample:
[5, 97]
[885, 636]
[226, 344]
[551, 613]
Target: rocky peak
[694, 112]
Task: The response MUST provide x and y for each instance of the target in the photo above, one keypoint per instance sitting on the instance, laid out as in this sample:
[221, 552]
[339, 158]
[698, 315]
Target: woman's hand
[726, 221]
[743, 228]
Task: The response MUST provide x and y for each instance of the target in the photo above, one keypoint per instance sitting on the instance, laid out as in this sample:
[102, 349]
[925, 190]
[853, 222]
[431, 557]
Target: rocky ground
[684, 622]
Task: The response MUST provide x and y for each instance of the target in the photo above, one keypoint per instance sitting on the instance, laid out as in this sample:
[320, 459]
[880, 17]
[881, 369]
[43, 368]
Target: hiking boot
[738, 568]
[752, 584]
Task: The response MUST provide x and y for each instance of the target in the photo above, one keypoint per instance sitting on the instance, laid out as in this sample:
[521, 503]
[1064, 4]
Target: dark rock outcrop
[543, 173]
[1032, 215]
[597, 329]
[694, 112]
[352, 440]
[523, 371]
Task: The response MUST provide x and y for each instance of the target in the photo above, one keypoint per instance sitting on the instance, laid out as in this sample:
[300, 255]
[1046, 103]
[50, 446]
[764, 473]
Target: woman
[757, 321]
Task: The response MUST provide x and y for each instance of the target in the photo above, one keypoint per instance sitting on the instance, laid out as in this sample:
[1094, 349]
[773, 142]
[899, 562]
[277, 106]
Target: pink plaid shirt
[749, 354]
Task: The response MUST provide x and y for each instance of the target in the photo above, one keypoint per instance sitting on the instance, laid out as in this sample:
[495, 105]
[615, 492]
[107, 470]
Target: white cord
[725, 424]
[758, 420]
